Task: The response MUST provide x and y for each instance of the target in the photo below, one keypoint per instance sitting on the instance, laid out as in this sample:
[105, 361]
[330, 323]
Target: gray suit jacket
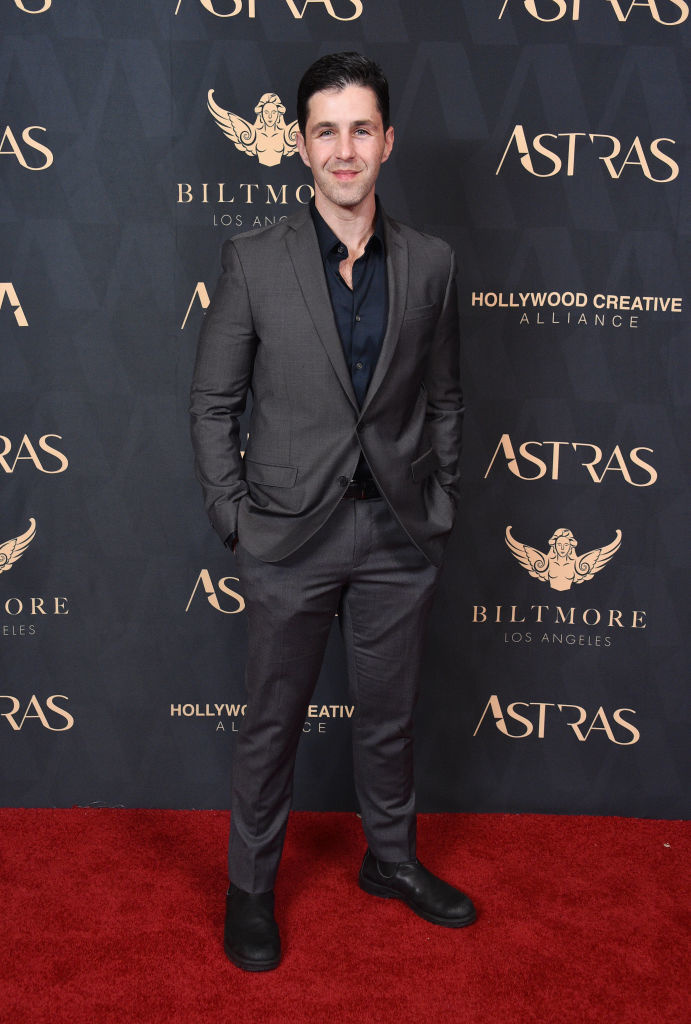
[270, 329]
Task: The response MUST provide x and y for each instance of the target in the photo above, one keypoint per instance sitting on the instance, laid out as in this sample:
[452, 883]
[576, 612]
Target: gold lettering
[50, 703]
[608, 158]
[635, 734]
[641, 162]
[652, 472]
[274, 196]
[541, 717]
[538, 608]
[561, 617]
[249, 191]
[522, 146]
[208, 5]
[590, 465]
[16, 151]
[356, 4]
[205, 579]
[605, 727]
[571, 136]
[619, 467]
[299, 192]
[9, 715]
[33, 144]
[33, 703]
[41, 10]
[31, 457]
[679, 5]
[531, 8]
[200, 293]
[529, 457]
[492, 703]
[579, 721]
[514, 612]
[231, 593]
[556, 447]
[505, 446]
[7, 290]
[664, 158]
[512, 713]
[44, 446]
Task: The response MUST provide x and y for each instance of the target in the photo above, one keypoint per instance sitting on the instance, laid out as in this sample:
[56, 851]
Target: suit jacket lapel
[397, 281]
[309, 270]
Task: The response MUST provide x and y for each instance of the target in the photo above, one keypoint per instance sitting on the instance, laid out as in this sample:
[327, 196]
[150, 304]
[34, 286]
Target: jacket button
[343, 481]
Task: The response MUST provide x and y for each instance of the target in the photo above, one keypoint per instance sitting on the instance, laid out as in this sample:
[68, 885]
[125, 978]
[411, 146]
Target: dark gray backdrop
[527, 135]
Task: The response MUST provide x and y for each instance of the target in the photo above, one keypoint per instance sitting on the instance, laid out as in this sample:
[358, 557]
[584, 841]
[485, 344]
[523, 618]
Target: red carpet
[114, 915]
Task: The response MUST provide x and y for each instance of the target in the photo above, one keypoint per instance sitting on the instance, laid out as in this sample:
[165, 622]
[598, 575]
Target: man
[344, 326]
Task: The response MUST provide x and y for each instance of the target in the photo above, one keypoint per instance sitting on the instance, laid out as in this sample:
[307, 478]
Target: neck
[352, 225]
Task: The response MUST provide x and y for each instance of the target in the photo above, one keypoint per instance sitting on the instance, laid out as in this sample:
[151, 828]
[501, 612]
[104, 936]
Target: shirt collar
[328, 241]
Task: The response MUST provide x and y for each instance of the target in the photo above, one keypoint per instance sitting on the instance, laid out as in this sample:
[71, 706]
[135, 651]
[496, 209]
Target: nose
[344, 148]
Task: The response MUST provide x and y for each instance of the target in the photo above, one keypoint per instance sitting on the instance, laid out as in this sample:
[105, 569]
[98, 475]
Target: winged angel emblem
[11, 550]
[269, 138]
[561, 566]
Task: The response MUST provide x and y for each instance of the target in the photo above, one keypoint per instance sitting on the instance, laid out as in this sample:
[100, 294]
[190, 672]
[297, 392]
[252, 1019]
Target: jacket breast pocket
[419, 313]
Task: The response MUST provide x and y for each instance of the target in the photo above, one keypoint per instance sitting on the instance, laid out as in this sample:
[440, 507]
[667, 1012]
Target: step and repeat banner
[545, 140]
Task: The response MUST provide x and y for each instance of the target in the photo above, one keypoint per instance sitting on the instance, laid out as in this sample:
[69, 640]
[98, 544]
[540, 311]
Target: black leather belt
[361, 490]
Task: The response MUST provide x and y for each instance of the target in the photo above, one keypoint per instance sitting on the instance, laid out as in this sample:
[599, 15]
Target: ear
[302, 150]
[388, 143]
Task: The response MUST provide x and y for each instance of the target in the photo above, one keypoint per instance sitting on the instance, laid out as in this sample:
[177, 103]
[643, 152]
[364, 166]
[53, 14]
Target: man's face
[344, 145]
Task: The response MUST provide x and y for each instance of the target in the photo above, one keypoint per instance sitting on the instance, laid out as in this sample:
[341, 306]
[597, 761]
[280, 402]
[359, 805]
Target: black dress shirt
[361, 312]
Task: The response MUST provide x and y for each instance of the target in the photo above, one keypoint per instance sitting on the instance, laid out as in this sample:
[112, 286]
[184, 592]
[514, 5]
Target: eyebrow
[353, 124]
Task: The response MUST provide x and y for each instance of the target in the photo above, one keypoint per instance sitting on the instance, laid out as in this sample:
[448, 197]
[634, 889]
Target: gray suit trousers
[363, 566]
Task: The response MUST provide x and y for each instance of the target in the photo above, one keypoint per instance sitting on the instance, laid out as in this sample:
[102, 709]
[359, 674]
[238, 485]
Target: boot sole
[250, 965]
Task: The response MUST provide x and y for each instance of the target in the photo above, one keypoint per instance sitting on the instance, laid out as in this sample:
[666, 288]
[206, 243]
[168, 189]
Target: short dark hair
[336, 71]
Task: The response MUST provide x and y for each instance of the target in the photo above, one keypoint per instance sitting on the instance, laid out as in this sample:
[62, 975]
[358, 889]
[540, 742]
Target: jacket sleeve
[444, 415]
[222, 375]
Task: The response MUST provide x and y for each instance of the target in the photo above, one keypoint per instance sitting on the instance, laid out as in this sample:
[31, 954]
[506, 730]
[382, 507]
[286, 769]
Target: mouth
[345, 175]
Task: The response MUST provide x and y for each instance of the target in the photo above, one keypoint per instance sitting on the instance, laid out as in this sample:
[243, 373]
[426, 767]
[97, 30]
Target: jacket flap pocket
[424, 465]
[272, 476]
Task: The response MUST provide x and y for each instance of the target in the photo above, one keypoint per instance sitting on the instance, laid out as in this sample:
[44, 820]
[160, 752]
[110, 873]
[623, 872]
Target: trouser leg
[383, 614]
[290, 609]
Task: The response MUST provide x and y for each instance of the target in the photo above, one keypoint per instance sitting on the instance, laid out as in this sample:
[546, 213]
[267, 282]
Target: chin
[349, 197]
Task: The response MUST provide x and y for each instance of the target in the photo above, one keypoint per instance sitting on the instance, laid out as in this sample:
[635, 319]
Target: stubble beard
[345, 194]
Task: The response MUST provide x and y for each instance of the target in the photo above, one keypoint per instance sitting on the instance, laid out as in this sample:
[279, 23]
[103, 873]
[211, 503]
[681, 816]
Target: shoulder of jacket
[249, 243]
[431, 243]
[260, 236]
